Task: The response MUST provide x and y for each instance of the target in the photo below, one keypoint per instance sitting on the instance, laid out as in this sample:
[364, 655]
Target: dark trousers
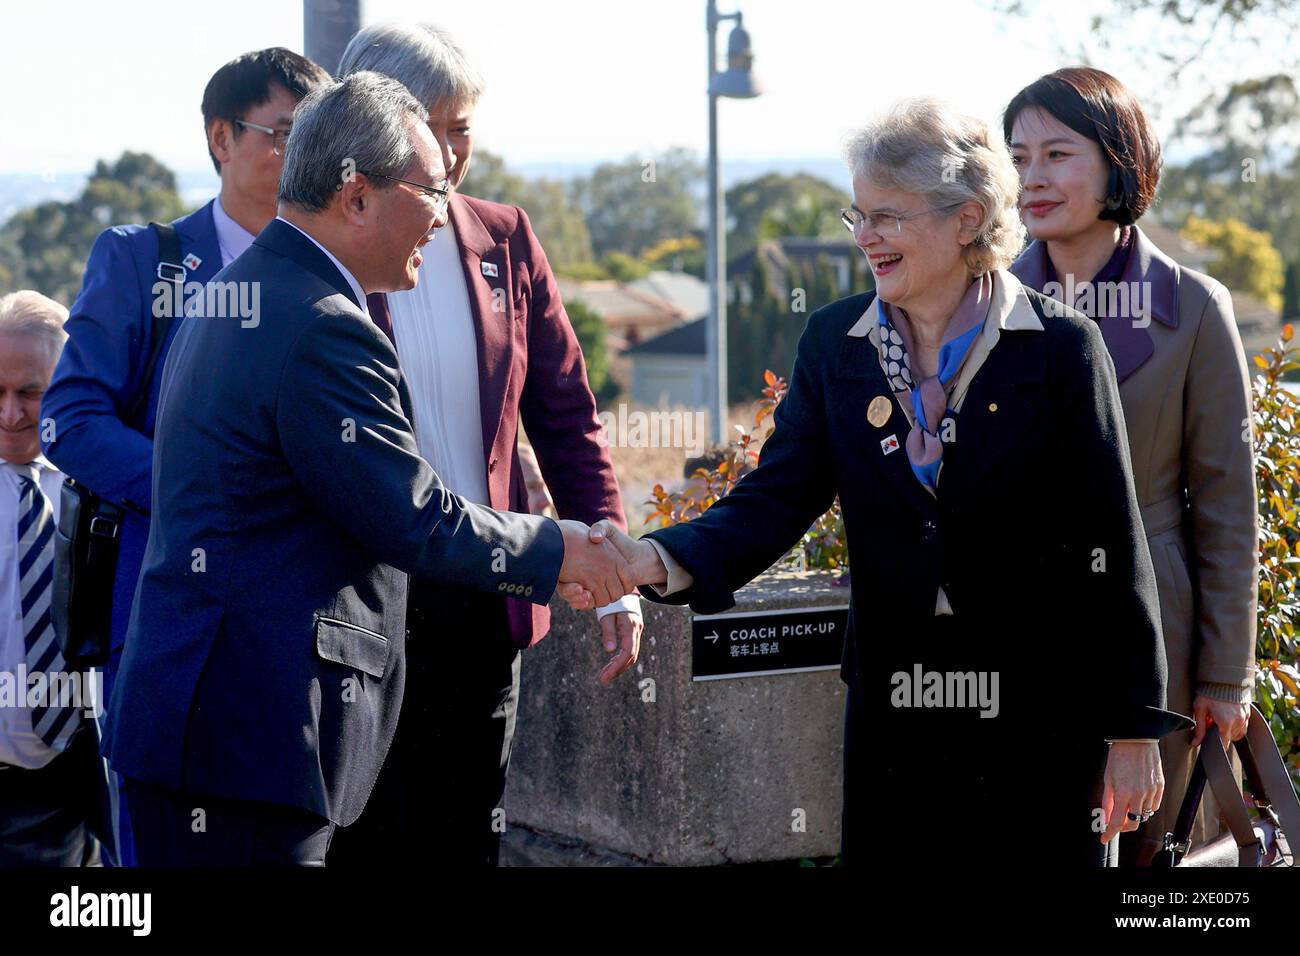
[439, 797]
[44, 812]
[117, 812]
[174, 828]
[924, 786]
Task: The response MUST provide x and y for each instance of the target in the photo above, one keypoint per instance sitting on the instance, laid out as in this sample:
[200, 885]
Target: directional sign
[761, 643]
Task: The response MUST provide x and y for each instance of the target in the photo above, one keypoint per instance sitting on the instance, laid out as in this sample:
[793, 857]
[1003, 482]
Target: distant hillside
[20, 190]
[197, 186]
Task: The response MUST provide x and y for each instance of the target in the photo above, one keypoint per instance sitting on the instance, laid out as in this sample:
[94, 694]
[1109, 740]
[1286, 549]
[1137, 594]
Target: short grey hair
[31, 313]
[922, 146]
[425, 58]
[359, 123]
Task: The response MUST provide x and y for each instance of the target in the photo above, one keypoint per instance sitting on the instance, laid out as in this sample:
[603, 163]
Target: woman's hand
[643, 564]
[1134, 782]
[1231, 719]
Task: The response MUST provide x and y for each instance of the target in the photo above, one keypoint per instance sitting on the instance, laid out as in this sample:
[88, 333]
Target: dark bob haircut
[1096, 105]
[245, 82]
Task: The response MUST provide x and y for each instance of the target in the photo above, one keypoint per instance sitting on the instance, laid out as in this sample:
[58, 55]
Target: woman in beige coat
[1089, 163]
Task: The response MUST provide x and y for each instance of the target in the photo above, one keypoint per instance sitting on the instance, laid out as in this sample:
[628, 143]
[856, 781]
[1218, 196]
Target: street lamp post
[327, 26]
[736, 82]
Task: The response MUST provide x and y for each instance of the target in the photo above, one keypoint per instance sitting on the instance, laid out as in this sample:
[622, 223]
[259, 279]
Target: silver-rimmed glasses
[884, 223]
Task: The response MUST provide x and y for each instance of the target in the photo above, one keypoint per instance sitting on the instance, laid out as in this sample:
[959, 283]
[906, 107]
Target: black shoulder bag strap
[1270, 785]
[170, 269]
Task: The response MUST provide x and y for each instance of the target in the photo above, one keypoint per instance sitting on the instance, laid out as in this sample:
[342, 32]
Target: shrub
[1277, 470]
[823, 546]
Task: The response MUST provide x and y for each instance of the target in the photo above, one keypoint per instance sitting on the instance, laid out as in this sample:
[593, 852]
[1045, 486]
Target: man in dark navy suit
[264, 664]
[103, 436]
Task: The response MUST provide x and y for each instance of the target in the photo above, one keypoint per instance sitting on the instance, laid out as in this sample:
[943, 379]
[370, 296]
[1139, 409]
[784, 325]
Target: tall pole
[717, 257]
[327, 26]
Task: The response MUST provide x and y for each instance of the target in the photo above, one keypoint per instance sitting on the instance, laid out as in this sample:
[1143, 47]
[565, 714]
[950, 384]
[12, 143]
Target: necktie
[52, 724]
[377, 303]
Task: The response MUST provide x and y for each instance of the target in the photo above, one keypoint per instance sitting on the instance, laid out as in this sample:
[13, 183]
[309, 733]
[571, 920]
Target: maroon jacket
[530, 367]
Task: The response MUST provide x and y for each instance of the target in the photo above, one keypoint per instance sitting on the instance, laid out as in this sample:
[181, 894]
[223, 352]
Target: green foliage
[1277, 469]
[624, 268]
[756, 339]
[559, 224]
[683, 254]
[1291, 292]
[765, 320]
[590, 330]
[582, 271]
[1247, 260]
[45, 247]
[775, 205]
[633, 205]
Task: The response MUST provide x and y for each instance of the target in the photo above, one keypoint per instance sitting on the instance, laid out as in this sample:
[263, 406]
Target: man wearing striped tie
[49, 754]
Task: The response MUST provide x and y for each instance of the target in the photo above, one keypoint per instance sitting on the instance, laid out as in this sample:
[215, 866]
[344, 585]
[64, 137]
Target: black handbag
[88, 535]
[1270, 840]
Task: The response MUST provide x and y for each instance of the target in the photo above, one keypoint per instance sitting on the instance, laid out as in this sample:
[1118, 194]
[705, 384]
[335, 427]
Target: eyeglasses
[279, 137]
[439, 194]
[884, 222]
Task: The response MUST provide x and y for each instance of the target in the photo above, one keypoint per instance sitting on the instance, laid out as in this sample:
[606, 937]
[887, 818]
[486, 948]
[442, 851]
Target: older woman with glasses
[1003, 657]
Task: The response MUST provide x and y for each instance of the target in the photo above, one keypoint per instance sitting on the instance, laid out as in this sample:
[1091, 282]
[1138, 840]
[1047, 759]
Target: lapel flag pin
[192, 262]
[489, 269]
[878, 411]
[889, 445]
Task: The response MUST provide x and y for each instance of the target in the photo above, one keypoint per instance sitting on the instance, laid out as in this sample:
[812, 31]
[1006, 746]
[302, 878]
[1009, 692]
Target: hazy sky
[573, 81]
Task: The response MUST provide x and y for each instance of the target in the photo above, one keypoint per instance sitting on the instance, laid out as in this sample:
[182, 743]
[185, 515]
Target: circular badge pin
[879, 410]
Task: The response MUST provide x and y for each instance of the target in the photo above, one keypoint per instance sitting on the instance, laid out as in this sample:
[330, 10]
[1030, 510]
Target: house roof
[685, 292]
[686, 340]
[617, 302]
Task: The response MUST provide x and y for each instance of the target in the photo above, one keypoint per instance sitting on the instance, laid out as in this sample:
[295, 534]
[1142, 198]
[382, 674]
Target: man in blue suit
[98, 438]
[264, 665]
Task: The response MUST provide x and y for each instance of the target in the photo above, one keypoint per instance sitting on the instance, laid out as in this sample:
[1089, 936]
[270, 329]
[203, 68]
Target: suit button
[929, 531]
[528, 591]
[502, 586]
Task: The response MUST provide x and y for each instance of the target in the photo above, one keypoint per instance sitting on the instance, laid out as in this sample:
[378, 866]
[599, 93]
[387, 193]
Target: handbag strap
[170, 269]
[1268, 778]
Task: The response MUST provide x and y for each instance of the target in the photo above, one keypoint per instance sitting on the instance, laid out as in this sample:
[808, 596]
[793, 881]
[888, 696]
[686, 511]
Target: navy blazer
[1036, 481]
[110, 335]
[264, 657]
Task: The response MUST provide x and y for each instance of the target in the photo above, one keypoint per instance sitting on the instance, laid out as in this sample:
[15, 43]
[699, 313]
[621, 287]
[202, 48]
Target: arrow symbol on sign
[712, 637]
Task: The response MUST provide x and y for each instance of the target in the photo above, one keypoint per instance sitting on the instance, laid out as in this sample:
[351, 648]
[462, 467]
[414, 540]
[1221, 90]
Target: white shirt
[232, 238]
[351, 279]
[434, 329]
[19, 744]
[433, 325]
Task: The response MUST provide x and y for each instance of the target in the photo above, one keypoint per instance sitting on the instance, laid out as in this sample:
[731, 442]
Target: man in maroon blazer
[484, 344]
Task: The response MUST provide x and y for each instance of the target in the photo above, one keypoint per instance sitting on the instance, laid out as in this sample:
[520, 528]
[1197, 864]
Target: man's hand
[622, 631]
[642, 563]
[1231, 719]
[594, 573]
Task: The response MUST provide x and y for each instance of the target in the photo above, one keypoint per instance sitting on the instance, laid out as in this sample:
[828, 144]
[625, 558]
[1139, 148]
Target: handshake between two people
[601, 564]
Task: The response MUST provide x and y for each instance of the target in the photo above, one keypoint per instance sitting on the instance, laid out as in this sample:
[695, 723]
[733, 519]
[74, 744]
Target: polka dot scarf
[893, 338]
